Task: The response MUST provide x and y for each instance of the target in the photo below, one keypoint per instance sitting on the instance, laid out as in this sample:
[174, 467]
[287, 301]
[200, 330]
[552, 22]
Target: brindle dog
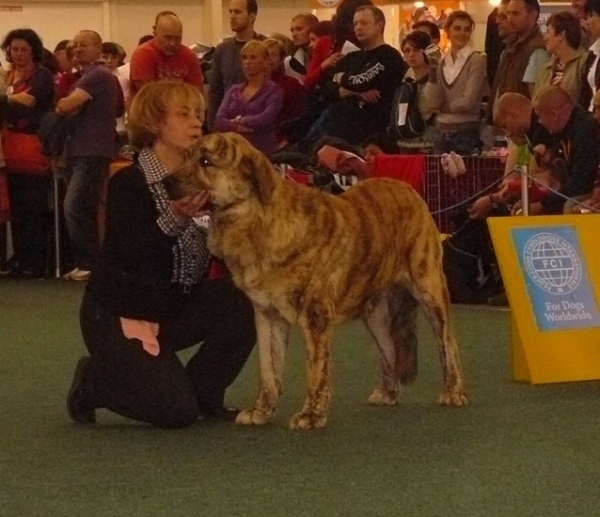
[311, 259]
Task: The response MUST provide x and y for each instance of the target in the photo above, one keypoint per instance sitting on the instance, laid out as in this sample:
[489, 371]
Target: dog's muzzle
[174, 187]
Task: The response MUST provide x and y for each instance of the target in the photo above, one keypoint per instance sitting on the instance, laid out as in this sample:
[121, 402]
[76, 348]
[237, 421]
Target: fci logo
[552, 263]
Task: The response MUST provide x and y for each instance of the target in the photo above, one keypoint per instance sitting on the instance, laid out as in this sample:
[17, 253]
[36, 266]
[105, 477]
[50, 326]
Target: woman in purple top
[252, 108]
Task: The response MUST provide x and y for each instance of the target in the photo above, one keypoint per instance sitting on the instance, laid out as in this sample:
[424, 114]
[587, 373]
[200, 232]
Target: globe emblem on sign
[552, 263]
[328, 3]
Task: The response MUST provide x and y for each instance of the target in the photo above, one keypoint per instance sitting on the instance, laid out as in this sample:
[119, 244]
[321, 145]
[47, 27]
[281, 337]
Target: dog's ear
[261, 174]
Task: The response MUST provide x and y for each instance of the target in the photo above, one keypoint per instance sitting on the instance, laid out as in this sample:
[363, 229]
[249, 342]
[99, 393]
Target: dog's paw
[381, 397]
[304, 420]
[453, 397]
[253, 417]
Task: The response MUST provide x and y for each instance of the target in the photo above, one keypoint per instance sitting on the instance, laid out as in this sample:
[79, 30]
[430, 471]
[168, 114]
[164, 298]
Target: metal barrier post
[56, 228]
[524, 190]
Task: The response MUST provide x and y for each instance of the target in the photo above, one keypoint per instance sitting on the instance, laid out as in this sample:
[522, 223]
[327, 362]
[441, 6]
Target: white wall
[55, 21]
[479, 11]
[132, 19]
[273, 15]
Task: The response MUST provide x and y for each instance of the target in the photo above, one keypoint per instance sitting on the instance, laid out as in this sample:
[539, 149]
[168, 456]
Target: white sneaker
[77, 275]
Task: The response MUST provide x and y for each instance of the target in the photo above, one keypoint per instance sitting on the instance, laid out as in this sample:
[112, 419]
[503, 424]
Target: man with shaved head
[515, 116]
[164, 57]
[93, 104]
[576, 141]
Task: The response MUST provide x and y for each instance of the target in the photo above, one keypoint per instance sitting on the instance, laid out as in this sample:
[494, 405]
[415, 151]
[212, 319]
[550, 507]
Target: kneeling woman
[149, 296]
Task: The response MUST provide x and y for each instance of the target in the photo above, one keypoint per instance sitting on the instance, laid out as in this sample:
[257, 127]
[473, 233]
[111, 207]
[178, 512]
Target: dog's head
[228, 168]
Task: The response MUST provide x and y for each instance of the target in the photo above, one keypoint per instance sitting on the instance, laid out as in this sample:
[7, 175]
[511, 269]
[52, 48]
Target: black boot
[80, 404]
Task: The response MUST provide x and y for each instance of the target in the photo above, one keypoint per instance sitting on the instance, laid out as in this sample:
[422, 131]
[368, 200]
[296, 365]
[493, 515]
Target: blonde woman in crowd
[253, 107]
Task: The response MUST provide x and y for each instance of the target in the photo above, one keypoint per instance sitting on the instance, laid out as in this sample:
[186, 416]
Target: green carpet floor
[517, 450]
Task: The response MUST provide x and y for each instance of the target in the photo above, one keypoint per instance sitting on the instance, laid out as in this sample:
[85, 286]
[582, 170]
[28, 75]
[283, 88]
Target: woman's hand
[370, 96]
[239, 127]
[331, 61]
[481, 208]
[23, 98]
[189, 206]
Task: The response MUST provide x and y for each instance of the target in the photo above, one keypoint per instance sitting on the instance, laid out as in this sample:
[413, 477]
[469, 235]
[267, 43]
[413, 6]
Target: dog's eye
[205, 162]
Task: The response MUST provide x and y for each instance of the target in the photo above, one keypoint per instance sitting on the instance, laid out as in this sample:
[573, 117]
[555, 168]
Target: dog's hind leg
[393, 324]
[272, 337]
[428, 285]
[319, 343]
[378, 322]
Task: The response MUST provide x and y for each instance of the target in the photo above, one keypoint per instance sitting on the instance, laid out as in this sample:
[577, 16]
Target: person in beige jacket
[568, 65]
[456, 89]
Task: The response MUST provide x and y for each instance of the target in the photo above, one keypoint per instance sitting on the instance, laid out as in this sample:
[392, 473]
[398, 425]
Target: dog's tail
[402, 308]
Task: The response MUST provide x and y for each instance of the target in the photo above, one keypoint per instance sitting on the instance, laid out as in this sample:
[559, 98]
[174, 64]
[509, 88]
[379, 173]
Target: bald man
[94, 102]
[515, 116]
[576, 140]
[164, 57]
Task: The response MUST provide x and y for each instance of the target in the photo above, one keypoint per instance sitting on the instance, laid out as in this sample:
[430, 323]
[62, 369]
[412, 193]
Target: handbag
[23, 153]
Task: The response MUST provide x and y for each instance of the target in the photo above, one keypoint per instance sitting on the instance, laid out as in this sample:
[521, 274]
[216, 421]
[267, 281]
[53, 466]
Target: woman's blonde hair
[152, 103]
[275, 43]
[256, 45]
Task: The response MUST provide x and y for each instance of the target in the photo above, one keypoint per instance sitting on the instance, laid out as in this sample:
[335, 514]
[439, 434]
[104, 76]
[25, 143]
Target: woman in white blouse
[456, 88]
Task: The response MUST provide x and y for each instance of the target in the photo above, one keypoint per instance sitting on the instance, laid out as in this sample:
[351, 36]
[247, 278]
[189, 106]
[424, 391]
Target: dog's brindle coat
[308, 258]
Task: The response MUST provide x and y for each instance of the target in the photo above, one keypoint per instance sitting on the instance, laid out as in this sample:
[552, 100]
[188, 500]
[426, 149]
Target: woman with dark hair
[322, 57]
[30, 94]
[413, 48]
[456, 89]
[568, 63]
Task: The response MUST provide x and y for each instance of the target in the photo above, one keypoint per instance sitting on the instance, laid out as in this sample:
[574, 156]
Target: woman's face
[371, 151]
[460, 33]
[414, 57]
[111, 61]
[21, 53]
[552, 39]
[254, 63]
[181, 127]
[312, 41]
[593, 24]
[275, 58]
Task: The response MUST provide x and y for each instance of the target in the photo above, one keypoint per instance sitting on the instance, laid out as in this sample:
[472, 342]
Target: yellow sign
[549, 268]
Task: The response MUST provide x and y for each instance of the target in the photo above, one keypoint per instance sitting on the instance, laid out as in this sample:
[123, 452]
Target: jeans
[464, 142]
[85, 175]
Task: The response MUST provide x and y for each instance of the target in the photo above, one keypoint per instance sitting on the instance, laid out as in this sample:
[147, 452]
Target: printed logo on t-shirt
[367, 76]
[168, 72]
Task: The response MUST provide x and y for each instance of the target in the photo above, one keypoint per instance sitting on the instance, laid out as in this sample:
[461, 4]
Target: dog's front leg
[272, 337]
[314, 412]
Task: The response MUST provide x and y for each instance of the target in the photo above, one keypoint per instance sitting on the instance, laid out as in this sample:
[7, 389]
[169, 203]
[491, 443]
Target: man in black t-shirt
[363, 83]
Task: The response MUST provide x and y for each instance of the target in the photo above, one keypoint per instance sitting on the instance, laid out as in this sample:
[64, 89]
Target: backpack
[406, 121]
[54, 131]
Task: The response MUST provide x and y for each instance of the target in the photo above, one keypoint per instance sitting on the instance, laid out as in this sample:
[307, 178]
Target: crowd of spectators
[331, 78]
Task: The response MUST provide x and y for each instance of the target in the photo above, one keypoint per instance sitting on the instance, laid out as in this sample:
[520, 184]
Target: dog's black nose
[173, 187]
